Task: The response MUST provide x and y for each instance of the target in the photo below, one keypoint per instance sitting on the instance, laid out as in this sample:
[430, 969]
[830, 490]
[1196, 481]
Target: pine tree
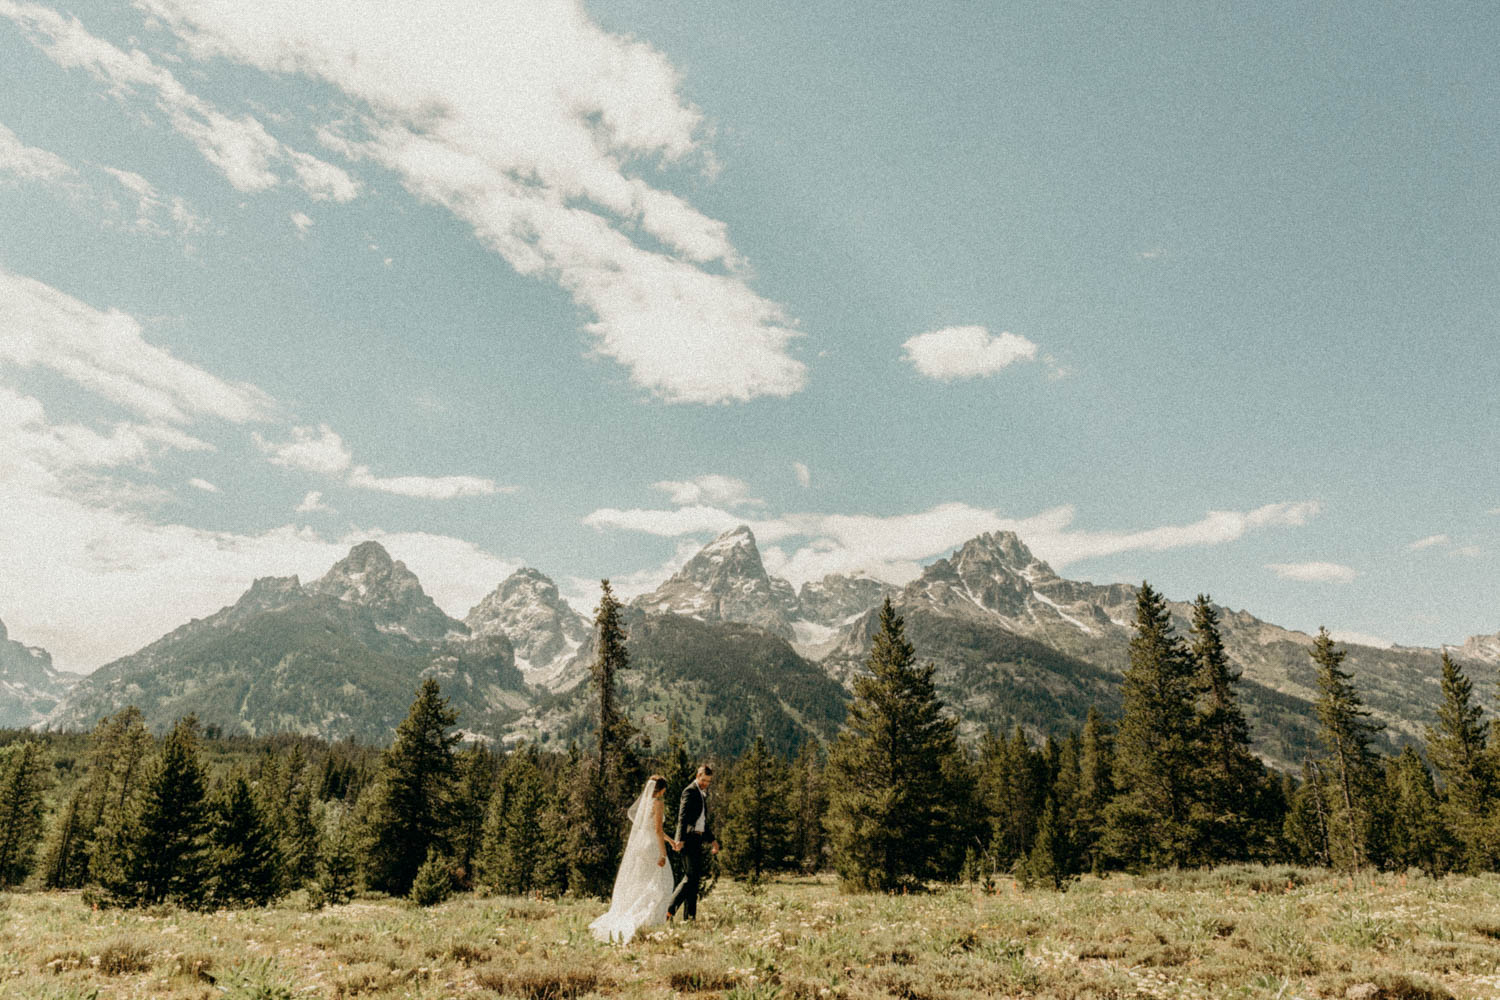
[522, 851]
[1148, 822]
[96, 812]
[1012, 787]
[757, 816]
[244, 863]
[895, 812]
[678, 767]
[809, 806]
[1096, 786]
[1415, 835]
[412, 798]
[338, 869]
[476, 784]
[1352, 772]
[1459, 751]
[1049, 862]
[23, 782]
[433, 882]
[1230, 776]
[158, 853]
[1305, 829]
[604, 785]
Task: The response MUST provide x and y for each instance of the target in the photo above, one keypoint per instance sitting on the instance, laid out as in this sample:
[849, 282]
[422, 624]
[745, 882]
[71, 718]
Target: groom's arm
[685, 822]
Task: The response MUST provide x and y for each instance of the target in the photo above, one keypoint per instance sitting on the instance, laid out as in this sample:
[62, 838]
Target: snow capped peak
[527, 609]
[726, 581]
[369, 577]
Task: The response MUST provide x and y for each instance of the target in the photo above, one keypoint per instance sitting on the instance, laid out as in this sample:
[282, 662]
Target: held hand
[715, 847]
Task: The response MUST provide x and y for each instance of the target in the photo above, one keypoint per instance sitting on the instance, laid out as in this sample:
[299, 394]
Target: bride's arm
[657, 814]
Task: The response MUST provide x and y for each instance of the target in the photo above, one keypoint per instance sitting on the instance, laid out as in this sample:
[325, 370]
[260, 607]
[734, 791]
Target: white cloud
[1361, 639]
[240, 148]
[583, 593]
[1313, 572]
[1427, 543]
[965, 352]
[311, 449]
[322, 451]
[302, 221]
[803, 474]
[313, 503]
[533, 125]
[153, 214]
[203, 484]
[29, 163]
[426, 487]
[1466, 552]
[894, 548]
[106, 353]
[710, 489]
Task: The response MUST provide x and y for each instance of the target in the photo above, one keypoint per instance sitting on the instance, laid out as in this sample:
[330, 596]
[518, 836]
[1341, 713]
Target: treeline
[894, 801]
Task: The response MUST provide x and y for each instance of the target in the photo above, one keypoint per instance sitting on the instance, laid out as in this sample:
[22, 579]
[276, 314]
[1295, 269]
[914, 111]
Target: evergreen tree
[522, 850]
[604, 785]
[1415, 835]
[412, 799]
[1148, 822]
[1050, 860]
[1305, 830]
[23, 782]
[1352, 771]
[757, 816]
[1459, 751]
[1012, 788]
[114, 768]
[1230, 778]
[158, 853]
[1096, 787]
[679, 768]
[895, 812]
[809, 806]
[434, 879]
[338, 869]
[476, 784]
[243, 863]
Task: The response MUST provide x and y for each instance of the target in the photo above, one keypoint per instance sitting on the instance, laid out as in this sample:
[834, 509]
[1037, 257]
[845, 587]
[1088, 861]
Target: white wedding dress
[642, 887]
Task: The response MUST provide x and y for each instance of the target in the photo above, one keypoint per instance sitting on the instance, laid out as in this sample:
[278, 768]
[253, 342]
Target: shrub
[434, 881]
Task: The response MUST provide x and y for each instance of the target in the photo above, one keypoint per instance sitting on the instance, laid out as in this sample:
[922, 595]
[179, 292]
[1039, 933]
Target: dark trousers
[694, 864]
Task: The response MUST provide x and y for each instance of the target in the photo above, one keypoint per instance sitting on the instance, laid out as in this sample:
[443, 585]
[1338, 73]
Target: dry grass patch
[123, 957]
[554, 980]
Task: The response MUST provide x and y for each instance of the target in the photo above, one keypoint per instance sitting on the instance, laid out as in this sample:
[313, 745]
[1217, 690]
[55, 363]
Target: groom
[695, 828]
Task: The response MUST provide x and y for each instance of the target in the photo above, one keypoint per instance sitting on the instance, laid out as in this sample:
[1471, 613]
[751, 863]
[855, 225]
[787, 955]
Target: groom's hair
[705, 769]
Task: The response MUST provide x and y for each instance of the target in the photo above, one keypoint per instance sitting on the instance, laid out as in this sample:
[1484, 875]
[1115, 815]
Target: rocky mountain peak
[29, 685]
[1478, 649]
[726, 581]
[834, 598]
[527, 609]
[369, 577]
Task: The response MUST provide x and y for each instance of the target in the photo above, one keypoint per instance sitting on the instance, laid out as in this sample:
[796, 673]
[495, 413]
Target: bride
[643, 886]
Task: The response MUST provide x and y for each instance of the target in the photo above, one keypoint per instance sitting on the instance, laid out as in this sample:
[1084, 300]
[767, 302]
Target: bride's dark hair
[658, 784]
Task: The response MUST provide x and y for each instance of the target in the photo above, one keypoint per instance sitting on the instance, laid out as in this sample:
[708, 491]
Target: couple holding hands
[644, 894]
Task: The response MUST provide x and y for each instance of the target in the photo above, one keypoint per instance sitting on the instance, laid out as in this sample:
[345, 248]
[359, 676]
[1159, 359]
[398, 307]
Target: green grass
[1237, 932]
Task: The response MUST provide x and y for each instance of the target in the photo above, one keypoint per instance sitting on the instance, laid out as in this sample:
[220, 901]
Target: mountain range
[722, 647]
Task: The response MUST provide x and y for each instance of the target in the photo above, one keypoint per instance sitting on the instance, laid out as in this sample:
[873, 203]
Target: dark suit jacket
[693, 803]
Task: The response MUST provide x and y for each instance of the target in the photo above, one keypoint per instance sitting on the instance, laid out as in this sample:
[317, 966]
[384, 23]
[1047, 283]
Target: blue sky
[1179, 292]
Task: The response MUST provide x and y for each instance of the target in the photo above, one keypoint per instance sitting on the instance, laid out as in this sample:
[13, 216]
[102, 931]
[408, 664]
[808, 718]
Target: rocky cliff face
[727, 582]
[30, 687]
[544, 629]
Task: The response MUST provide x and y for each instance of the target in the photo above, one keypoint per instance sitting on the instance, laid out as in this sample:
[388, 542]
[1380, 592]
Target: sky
[1187, 293]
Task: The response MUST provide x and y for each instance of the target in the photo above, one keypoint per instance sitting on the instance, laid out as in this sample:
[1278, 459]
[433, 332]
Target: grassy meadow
[1243, 931]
